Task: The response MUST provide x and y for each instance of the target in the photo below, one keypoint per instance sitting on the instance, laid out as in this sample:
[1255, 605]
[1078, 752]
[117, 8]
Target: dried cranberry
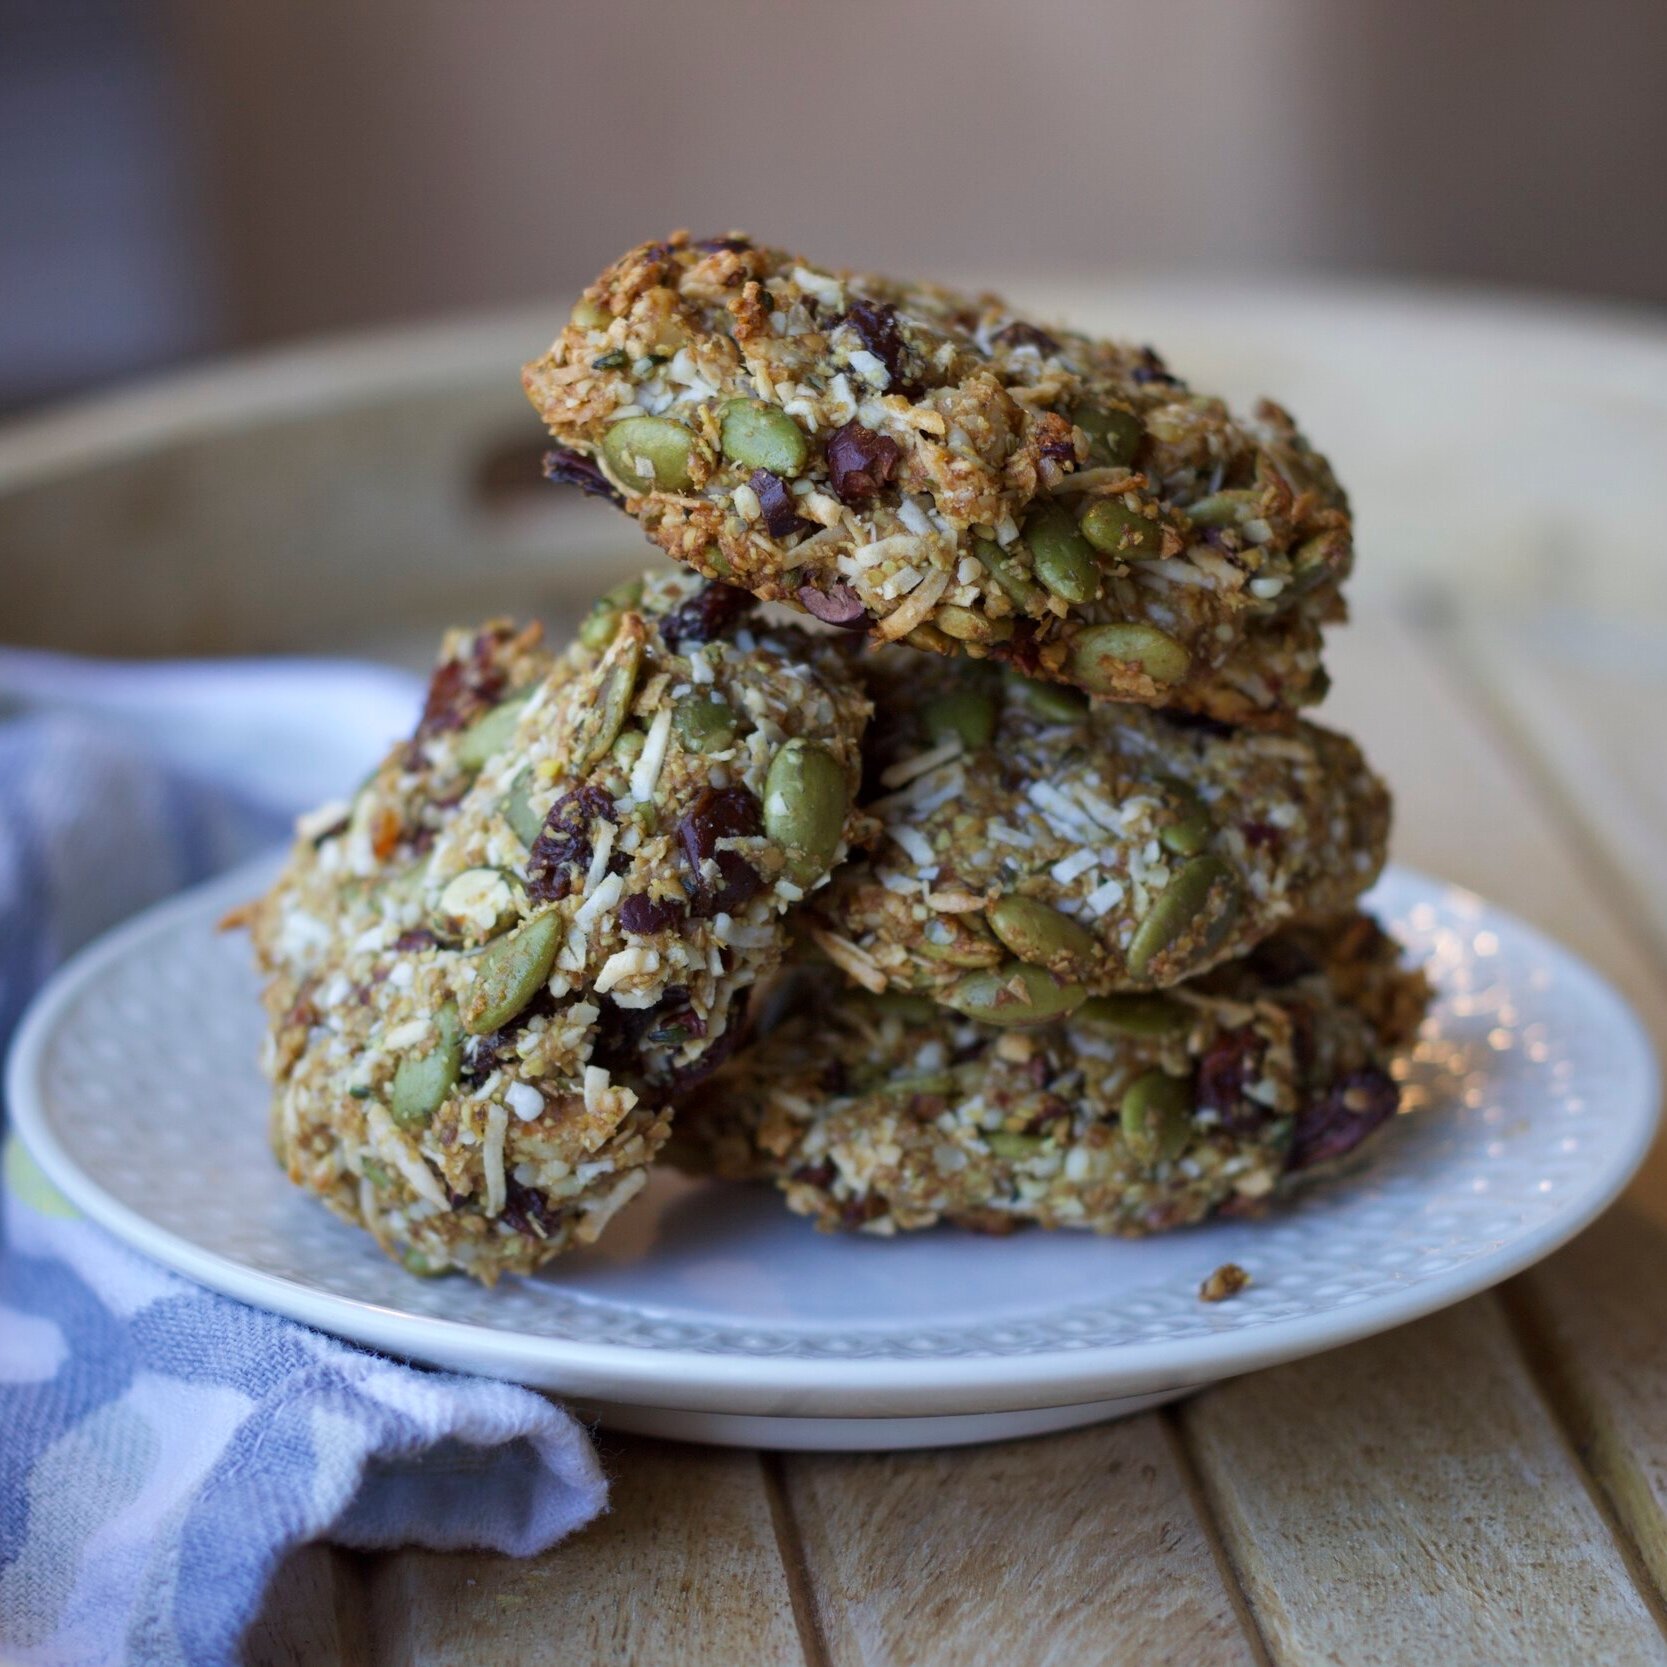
[562, 852]
[1151, 369]
[483, 1054]
[720, 245]
[814, 1174]
[684, 1077]
[568, 468]
[1200, 723]
[837, 605]
[854, 1212]
[1020, 334]
[1260, 835]
[418, 938]
[642, 913]
[1023, 650]
[1332, 1126]
[1230, 1064]
[719, 813]
[1279, 961]
[876, 323]
[463, 687]
[707, 614]
[860, 462]
[527, 1211]
[780, 513]
[1060, 447]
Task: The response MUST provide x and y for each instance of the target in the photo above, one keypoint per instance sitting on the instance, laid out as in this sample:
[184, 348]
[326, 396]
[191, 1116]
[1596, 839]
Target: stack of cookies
[1055, 895]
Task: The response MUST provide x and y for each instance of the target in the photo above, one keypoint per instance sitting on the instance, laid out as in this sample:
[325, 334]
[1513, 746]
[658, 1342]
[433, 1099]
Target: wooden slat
[1411, 1500]
[314, 1613]
[685, 1568]
[1084, 1547]
[1594, 1319]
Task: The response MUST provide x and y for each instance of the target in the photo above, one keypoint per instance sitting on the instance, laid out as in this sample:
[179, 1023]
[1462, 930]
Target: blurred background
[179, 177]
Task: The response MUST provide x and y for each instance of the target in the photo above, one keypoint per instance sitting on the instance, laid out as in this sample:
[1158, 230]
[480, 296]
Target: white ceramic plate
[710, 1313]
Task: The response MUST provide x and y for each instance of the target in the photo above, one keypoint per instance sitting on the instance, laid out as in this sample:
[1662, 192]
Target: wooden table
[1486, 1486]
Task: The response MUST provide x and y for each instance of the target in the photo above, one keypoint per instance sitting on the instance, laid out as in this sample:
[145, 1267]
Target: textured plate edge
[717, 1383]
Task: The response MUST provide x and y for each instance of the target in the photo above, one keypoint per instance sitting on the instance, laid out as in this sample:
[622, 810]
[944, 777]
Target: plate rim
[705, 1380]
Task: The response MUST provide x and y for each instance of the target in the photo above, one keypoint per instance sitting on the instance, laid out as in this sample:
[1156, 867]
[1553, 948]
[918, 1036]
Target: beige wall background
[381, 159]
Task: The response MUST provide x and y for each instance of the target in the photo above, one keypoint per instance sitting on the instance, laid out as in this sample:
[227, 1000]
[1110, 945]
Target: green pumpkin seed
[760, 436]
[516, 808]
[627, 747]
[490, 733]
[1043, 937]
[904, 1006]
[961, 941]
[422, 1081]
[1060, 556]
[424, 1267]
[1053, 703]
[1156, 1116]
[478, 904]
[1010, 576]
[1114, 435]
[1317, 559]
[1225, 509]
[1134, 1015]
[1194, 827]
[376, 1173]
[1014, 1147]
[1118, 531]
[588, 316]
[968, 713]
[649, 453]
[705, 723]
[509, 972]
[967, 625]
[602, 720]
[805, 798]
[920, 1082]
[1013, 994]
[1179, 904]
[1098, 655]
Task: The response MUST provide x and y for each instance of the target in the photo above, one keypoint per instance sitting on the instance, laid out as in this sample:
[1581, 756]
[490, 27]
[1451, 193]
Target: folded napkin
[163, 1448]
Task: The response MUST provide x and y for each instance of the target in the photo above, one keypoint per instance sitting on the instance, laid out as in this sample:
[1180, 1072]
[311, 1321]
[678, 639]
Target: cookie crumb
[1227, 1281]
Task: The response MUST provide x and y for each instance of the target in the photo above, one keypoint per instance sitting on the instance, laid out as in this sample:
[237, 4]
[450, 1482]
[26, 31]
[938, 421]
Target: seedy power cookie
[539, 918]
[1137, 1114]
[1035, 847]
[929, 467]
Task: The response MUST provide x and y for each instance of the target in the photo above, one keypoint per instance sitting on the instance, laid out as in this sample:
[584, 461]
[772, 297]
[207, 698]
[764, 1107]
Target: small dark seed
[781, 517]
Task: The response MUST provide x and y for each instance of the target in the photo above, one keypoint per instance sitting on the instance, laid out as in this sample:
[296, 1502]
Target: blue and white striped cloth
[163, 1448]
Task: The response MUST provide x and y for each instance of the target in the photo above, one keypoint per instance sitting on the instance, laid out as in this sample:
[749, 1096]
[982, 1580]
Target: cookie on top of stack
[1069, 900]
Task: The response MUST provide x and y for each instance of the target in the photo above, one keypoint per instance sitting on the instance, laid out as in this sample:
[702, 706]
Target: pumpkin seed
[960, 941]
[705, 723]
[1013, 994]
[424, 1267]
[1156, 1116]
[1118, 531]
[650, 453]
[516, 808]
[968, 625]
[921, 1082]
[1134, 1015]
[1225, 509]
[422, 1081]
[904, 1006]
[760, 436]
[1060, 556]
[969, 713]
[1098, 655]
[490, 733]
[1010, 576]
[1114, 435]
[1053, 703]
[602, 720]
[1042, 936]
[509, 972]
[1014, 1147]
[1193, 828]
[601, 624]
[1179, 904]
[805, 798]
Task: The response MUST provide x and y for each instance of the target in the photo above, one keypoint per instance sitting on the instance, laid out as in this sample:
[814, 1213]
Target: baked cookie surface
[929, 467]
[1137, 1114]
[1035, 847]
[538, 919]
